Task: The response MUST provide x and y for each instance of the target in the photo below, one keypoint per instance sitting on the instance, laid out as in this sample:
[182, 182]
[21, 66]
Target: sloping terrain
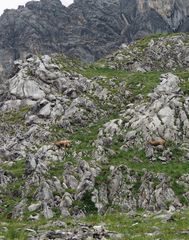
[88, 29]
[124, 174]
[162, 52]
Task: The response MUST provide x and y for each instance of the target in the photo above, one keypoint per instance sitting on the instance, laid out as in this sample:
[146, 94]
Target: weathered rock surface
[48, 96]
[164, 116]
[88, 29]
[83, 231]
[166, 52]
[110, 164]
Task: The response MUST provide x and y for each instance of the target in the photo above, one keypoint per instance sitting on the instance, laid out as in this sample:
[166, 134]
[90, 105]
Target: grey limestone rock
[165, 53]
[87, 29]
[48, 213]
[25, 88]
[35, 206]
[5, 178]
[164, 117]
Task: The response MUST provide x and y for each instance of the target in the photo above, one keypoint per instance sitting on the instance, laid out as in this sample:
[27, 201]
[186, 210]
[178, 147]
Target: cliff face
[35, 28]
[172, 11]
[88, 29]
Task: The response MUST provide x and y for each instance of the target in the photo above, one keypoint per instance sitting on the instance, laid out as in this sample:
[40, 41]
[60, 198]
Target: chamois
[63, 143]
[157, 142]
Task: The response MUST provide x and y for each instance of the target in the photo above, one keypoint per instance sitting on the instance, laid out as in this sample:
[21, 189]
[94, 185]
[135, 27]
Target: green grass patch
[17, 169]
[140, 227]
[142, 83]
[184, 84]
[137, 83]
[57, 169]
[93, 71]
[102, 177]
[69, 64]
[179, 191]
[175, 168]
[14, 117]
[86, 204]
[15, 231]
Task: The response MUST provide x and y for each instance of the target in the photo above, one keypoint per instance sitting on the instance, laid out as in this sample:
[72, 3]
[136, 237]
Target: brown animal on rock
[157, 142]
[63, 143]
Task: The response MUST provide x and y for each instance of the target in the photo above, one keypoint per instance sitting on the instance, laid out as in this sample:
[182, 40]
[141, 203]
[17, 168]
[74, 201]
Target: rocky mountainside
[161, 52]
[90, 151]
[88, 29]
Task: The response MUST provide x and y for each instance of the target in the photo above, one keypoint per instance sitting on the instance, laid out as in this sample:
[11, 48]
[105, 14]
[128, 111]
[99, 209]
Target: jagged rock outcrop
[54, 104]
[45, 95]
[128, 142]
[164, 116]
[88, 29]
[161, 53]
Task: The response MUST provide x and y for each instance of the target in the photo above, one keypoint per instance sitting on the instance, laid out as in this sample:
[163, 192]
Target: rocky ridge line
[88, 29]
[153, 54]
